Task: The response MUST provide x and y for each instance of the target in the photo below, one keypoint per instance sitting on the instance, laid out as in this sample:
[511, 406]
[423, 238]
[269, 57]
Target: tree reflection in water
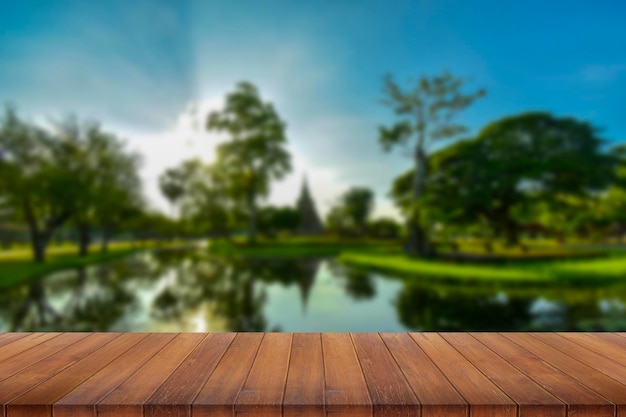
[167, 290]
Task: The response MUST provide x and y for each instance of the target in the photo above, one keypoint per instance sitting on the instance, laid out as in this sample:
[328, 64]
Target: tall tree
[427, 110]
[255, 154]
[108, 179]
[36, 173]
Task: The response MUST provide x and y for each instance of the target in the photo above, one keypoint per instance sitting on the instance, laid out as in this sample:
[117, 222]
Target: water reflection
[190, 291]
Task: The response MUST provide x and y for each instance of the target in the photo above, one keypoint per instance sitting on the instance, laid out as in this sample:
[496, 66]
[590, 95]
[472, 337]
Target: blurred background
[312, 166]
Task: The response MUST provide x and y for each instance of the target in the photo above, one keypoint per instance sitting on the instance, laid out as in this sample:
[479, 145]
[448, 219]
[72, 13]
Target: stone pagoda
[310, 223]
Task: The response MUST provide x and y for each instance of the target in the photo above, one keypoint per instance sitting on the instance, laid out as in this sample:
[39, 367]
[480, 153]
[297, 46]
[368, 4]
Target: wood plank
[217, 397]
[390, 392]
[6, 338]
[533, 400]
[599, 345]
[484, 397]
[80, 401]
[32, 376]
[38, 401]
[28, 351]
[175, 396]
[602, 384]
[262, 393]
[128, 398]
[581, 400]
[304, 392]
[584, 355]
[346, 391]
[433, 390]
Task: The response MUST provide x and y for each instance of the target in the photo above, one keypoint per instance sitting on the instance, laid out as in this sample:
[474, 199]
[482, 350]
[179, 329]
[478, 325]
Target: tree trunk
[252, 218]
[418, 240]
[39, 242]
[83, 239]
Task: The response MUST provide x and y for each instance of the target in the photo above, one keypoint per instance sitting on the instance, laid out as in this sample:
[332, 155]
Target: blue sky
[141, 67]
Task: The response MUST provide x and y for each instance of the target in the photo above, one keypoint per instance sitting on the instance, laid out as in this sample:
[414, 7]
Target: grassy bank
[17, 266]
[611, 268]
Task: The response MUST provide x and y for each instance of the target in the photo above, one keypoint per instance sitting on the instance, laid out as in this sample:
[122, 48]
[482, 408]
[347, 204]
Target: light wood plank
[38, 401]
[34, 375]
[390, 392]
[594, 342]
[81, 401]
[217, 397]
[436, 394]
[6, 338]
[484, 397]
[175, 396]
[304, 392]
[262, 393]
[603, 385]
[581, 400]
[533, 400]
[129, 397]
[346, 392]
[30, 355]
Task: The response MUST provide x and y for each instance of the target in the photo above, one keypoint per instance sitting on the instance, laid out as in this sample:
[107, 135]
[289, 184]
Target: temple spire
[309, 220]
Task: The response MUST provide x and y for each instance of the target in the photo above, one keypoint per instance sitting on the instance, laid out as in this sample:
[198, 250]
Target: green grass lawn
[609, 269]
[17, 266]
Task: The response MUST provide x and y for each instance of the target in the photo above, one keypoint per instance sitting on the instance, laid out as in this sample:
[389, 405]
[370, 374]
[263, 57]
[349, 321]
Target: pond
[189, 291]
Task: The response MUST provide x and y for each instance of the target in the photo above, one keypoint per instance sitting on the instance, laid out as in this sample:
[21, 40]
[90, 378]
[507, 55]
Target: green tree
[514, 164]
[273, 220]
[358, 203]
[427, 110]
[108, 179]
[36, 173]
[255, 154]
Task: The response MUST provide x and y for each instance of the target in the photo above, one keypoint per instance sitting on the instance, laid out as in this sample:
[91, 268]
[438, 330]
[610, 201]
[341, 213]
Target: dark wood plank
[604, 347]
[533, 400]
[23, 355]
[262, 393]
[304, 393]
[346, 392]
[581, 400]
[483, 396]
[34, 375]
[390, 392]
[436, 394]
[6, 338]
[128, 398]
[217, 397]
[175, 396]
[80, 401]
[38, 401]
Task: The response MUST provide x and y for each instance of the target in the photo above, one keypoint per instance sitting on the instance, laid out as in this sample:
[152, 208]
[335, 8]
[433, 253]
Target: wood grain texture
[304, 391]
[597, 381]
[313, 374]
[175, 396]
[80, 401]
[217, 397]
[129, 397]
[38, 401]
[346, 391]
[30, 377]
[262, 393]
[580, 399]
[533, 400]
[484, 397]
[433, 390]
[390, 392]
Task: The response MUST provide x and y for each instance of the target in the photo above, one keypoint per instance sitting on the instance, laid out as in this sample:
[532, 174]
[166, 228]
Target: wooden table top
[313, 374]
